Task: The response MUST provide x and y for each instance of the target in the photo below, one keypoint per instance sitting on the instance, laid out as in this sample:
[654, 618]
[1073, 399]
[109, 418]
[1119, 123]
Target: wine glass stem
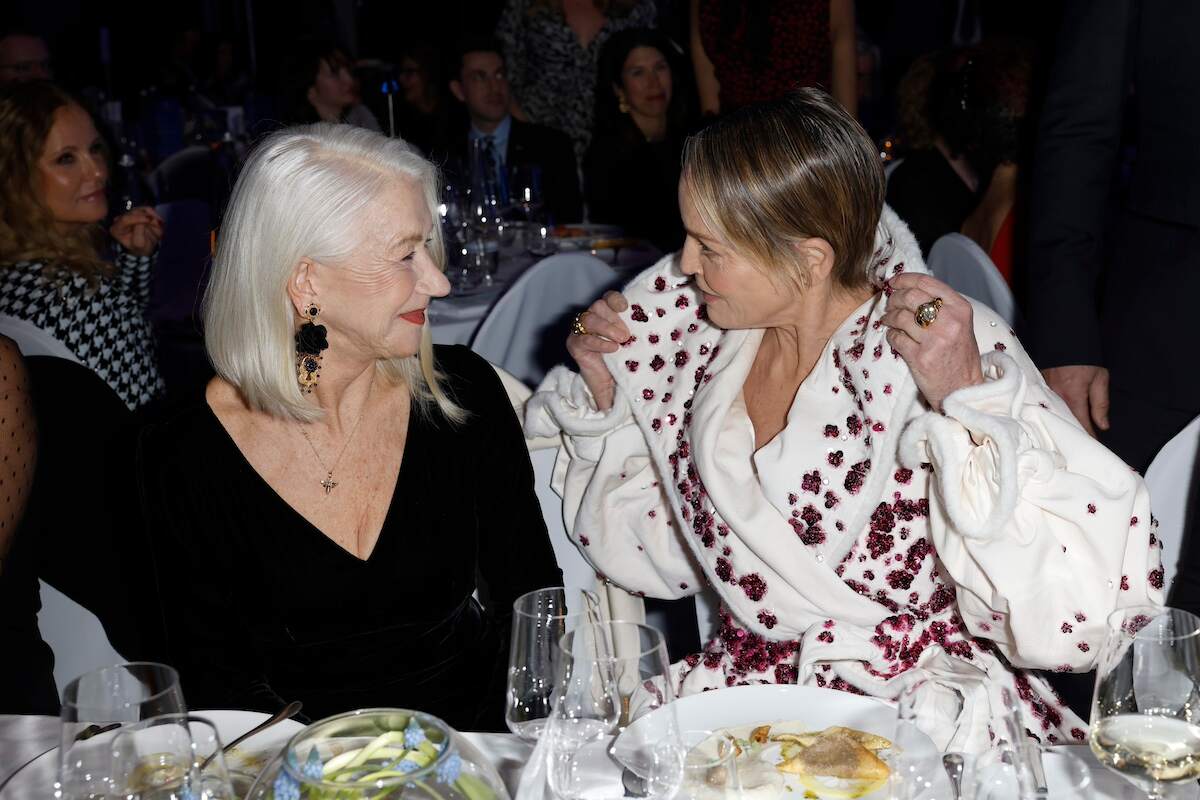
[1155, 792]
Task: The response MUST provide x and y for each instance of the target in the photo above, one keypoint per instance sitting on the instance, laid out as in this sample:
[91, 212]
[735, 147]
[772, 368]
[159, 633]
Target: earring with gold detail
[622, 106]
[310, 341]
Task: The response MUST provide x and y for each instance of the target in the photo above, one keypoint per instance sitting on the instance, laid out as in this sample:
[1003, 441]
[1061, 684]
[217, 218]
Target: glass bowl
[380, 753]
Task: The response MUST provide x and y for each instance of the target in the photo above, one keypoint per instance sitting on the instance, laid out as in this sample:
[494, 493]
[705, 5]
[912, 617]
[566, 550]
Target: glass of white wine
[1146, 709]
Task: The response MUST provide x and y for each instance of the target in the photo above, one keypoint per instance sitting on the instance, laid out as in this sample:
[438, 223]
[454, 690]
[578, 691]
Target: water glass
[540, 619]
[482, 254]
[915, 761]
[709, 768]
[614, 704]
[97, 707]
[998, 775]
[173, 757]
[1146, 708]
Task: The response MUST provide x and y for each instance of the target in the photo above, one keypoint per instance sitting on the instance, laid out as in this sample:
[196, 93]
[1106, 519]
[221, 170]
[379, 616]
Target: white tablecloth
[24, 737]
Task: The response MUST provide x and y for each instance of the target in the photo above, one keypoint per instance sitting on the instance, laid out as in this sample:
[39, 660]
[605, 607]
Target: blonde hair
[770, 175]
[27, 228]
[302, 194]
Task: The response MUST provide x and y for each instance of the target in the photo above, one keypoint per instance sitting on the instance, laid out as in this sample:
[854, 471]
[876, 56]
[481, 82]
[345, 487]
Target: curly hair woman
[53, 274]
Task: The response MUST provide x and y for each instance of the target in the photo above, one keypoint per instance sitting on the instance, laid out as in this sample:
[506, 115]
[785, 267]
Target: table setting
[592, 714]
[493, 233]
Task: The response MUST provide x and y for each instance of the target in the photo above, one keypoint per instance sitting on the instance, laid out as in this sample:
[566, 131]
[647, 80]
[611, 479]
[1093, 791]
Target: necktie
[494, 168]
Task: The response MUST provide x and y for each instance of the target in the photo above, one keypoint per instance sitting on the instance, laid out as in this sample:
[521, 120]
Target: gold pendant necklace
[329, 484]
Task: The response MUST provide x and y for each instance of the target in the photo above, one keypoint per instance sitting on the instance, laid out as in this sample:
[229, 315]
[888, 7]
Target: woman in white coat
[865, 465]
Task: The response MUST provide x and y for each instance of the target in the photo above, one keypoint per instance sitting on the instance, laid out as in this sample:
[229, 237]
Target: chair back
[32, 340]
[1172, 485]
[958, 261]
[578, 574]
[525, 333]
[75, 635]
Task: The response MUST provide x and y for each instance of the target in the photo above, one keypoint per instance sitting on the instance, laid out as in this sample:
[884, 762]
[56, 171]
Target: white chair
[75, 635]
[525, 331]
[578, 574]
[962, 264]
[1169, 480]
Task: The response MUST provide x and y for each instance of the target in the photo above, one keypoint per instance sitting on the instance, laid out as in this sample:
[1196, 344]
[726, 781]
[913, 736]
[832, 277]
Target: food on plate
[835, 755]
[838, 762]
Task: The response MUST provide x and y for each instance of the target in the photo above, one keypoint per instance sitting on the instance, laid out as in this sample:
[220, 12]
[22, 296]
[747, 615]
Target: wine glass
[709, 768]
[1146, 709]
[97, 707]
[172, 757]
[614, 713]
[540, 619]
[525, 187]
[997, 774]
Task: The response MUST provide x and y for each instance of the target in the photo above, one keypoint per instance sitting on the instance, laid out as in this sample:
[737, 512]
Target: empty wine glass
[1146, 707]
[540, 619]
[97, 707]
[614, 719]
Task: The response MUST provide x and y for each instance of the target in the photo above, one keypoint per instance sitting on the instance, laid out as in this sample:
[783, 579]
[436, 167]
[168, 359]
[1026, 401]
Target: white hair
[302, 194]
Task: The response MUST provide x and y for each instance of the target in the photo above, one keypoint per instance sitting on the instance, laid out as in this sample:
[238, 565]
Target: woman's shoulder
[182, 430]
[471, 380]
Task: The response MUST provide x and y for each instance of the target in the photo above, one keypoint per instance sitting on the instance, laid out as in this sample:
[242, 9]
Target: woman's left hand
[943, 357]
[139, 230]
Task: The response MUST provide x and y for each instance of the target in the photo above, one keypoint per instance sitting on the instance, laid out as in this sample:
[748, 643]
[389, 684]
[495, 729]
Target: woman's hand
[943, 357]
[139, 230]
[605, 333]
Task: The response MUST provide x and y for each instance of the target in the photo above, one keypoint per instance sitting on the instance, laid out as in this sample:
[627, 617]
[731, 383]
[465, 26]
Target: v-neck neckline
[248, 467]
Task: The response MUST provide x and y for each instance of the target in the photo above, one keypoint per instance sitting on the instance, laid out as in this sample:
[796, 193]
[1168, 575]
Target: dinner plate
[36, 780]
[806, 707]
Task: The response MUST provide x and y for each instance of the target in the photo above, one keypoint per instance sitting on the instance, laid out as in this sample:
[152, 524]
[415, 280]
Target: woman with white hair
[321, 517]
[862, 463]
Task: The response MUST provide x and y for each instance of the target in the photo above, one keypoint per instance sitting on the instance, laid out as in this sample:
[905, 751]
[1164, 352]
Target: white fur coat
[873, 539]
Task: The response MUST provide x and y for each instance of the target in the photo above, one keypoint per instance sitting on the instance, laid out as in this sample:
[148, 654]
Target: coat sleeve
[1078, 138]
[133, 274]
[1044, 531]
[613, 503]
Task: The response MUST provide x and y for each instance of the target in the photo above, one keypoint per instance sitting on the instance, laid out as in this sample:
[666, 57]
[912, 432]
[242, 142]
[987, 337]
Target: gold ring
[927, 313]
[577, 327]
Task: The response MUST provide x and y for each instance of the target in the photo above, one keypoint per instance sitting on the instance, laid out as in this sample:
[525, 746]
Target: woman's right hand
[605, 334]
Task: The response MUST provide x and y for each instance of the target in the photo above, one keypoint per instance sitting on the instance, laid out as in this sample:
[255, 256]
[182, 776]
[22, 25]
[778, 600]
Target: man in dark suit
[1113, 285]
[479, 82]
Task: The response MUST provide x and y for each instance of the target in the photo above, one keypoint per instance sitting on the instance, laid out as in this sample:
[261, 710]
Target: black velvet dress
[261, 608]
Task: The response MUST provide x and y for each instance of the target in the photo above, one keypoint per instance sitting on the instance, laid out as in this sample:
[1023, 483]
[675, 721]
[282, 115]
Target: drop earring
[310, 341]
[622, 106]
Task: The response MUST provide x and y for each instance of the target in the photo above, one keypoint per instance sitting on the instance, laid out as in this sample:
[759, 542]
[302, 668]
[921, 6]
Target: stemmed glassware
[540, 619]
[709, 768]
[1146, 710]
[98, 709]
[614, 707]
[997, 774]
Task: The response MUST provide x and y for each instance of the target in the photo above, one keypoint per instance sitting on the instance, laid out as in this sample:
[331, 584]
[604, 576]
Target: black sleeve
[196, 569]
[514, 555]
[514, 551]
[1076, 154]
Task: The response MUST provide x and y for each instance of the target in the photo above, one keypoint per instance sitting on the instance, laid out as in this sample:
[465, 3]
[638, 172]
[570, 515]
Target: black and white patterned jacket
[103, 325]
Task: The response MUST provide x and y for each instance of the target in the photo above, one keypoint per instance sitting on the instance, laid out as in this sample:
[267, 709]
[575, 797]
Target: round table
[22, 738]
